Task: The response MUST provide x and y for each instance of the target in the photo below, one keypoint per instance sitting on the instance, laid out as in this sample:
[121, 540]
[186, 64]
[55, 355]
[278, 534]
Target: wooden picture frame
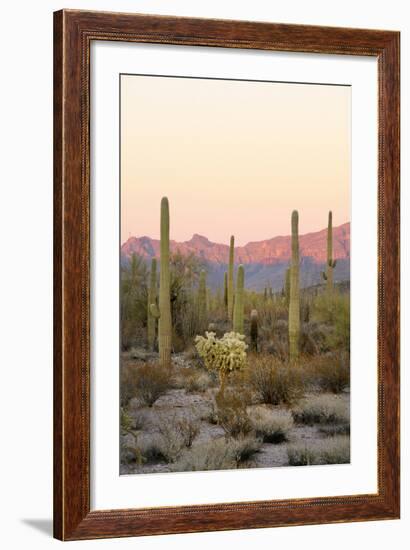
[74, 32]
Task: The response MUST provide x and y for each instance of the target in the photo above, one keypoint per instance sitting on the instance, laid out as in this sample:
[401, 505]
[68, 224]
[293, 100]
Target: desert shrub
[193, 380]
[274, 382]
[186, 322]
[334, 450]
[125, 421]
[174, 434]
[211, 415]
[222, 354]
[243, 448]
[213, 455]
[133, 300]
[334, 310]
[231, 413]
[239, 385]
[218, 454]
[191, 354]
[329, 430]
[130, 450]
[322, 409]
[333, 372]
[140, 416]
[272, 426]
[131, 453]
[146, 449]
[308, 344]
[150, 382]
[128, 383]
[328, 372]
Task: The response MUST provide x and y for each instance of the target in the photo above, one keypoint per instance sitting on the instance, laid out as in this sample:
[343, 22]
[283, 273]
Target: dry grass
[322, 409]
[174, 433]
[272, 426]
[193, 380]
[335, 450]
[218, 454]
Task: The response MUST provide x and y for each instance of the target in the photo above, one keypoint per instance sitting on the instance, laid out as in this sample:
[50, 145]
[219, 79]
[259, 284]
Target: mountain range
[265, 261]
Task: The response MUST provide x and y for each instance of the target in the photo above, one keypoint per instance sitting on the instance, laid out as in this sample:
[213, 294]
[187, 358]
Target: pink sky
[233, 157]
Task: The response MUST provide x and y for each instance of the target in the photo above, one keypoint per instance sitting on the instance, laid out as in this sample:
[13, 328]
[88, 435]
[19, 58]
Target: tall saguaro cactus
[239, 302]
[226, 291]
[330, 262]
[152, 299]
[230, 278]
[254, 330]
[202, 300]
[294, 298]
[286, 286]
[163, 312]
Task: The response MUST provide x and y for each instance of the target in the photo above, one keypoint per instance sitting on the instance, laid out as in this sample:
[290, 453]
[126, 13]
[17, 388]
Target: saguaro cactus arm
[154, 310]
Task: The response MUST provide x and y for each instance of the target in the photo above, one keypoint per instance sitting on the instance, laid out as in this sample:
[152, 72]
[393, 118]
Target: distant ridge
[270, 251]
[265, 261]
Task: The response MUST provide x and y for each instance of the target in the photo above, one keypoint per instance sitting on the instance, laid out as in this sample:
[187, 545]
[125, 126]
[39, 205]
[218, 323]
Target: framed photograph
[226, 275]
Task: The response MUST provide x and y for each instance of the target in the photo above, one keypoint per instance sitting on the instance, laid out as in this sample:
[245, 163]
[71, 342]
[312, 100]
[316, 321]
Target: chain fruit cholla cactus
[239, 302]
[230, 278]
[202, 300]
[254, 330]
[163, 311]
[330, 262]
[222, 355]
[152, 299]
[294, 299]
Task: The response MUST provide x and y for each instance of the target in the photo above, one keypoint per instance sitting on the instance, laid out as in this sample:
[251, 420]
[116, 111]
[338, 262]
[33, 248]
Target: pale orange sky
[233, 157]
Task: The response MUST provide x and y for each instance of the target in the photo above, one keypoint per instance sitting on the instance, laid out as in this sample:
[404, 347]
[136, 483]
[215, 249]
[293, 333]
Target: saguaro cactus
[254, 330]
[294, 298]
[163, 312]
[239, 303]
[152, 299]
[230, 278]
[202, 300]
[286, 286]
[226, 291]
[330, 262]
